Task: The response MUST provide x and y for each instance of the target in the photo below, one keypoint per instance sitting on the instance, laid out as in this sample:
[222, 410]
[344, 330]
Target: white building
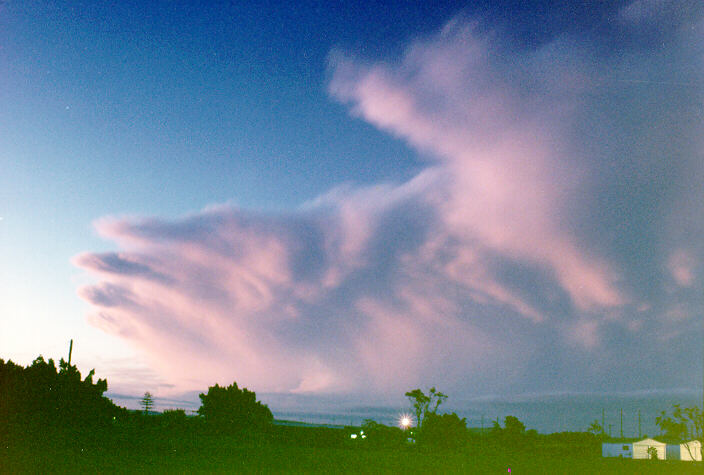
[640, 449]
[624, 449]
[689, 451]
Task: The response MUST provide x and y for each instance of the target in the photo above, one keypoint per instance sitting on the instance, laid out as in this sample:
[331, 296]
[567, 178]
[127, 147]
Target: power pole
[603, 427]
[70, 350]
[639, 423]
[622, 423]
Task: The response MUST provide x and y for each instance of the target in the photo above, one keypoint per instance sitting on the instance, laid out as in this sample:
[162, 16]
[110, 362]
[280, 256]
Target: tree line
[43, 396]
[44, 399]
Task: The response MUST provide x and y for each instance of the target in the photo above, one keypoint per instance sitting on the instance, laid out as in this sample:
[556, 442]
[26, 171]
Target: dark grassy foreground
[286, 450]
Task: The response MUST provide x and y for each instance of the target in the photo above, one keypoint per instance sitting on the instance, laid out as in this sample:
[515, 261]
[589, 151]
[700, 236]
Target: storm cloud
[553, 240]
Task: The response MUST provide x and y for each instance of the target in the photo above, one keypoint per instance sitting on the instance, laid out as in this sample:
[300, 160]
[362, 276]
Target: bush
[174, 418]
[443, 431]
[231, 410]
[379, 435]
[652, 453]
[41, 397]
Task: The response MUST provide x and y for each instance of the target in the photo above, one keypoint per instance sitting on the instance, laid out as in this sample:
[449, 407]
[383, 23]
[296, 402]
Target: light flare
[405, 421]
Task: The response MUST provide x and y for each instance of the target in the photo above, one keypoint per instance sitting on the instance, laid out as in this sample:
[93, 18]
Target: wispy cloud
[681, 266]
[525, 240]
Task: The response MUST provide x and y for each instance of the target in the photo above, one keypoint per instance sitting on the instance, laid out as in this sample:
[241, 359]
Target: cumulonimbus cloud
[483, 263]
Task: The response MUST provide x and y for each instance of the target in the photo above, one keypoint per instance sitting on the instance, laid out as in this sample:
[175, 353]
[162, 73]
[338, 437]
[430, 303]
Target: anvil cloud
[550, 242]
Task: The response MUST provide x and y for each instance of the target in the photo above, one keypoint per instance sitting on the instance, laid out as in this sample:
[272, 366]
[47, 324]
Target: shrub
[231, 409]
[443, 431]
[42, 396]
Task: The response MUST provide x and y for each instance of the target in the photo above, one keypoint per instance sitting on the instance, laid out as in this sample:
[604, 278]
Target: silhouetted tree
[147, 402]
[513, 432]
[41, 396]
[513, 426]
[232, 409]
[496, 429]
[682, 424]
[174, 418]
[424, 404]
[443, 431]
[596, 429]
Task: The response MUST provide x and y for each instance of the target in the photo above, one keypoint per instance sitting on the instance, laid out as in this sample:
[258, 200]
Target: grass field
[227, 455]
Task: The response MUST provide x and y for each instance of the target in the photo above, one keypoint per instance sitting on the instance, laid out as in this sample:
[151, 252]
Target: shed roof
[649, 442]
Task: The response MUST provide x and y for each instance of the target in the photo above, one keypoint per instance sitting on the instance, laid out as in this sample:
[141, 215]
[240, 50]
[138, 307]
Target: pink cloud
[681, 267]
[505, 178]
[220, 295]
[464, 275]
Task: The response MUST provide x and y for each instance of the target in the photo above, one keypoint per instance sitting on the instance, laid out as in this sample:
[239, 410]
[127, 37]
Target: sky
[347, 200]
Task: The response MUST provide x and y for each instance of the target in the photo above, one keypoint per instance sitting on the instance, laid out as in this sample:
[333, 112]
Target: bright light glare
[405, 421]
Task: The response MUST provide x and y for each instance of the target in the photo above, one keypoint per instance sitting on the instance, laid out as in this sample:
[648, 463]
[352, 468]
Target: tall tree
[424, 404]
[147, 402]
[42, 396]
[513, 426]
[684, 424]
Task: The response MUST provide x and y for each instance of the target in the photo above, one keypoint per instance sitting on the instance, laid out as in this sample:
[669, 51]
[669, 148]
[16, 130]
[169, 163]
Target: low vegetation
[52, 420]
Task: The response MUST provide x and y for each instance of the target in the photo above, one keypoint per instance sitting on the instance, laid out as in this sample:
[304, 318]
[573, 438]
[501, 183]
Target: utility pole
[639, 423]
[603, 427]
[70, 349]
[610, 430]
[622, 423]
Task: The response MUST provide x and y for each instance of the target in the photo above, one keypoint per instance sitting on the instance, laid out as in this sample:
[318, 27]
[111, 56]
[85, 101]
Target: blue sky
[318, 198]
